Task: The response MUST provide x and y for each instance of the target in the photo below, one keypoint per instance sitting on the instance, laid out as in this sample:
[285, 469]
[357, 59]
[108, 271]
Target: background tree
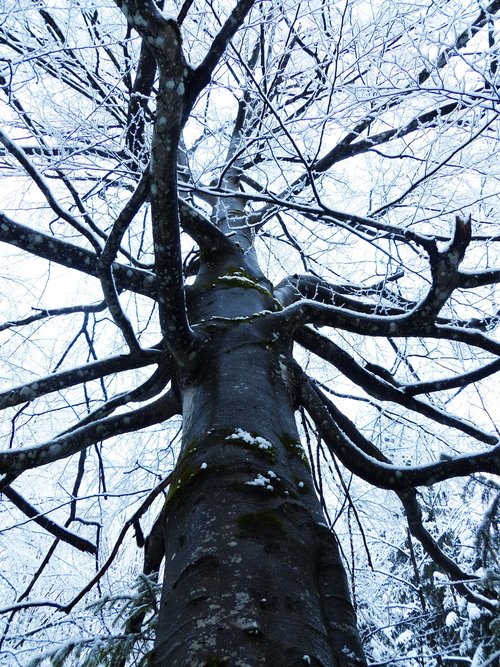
[185, 199]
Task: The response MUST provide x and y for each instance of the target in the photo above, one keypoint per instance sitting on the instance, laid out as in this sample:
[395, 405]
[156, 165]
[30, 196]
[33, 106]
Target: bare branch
[408, 498]
[70, 378]
[201, 76]
[453, 382]
[72, 256]
[296, 315]
[62, 446]
[469, 280]
[378, 387]
[164, 40]
[124, 219]
[384, 475]
[128, 524]
[202, 231]
[444, 271]
[47, 524]
[53, 312]
[146, 391]
[30, 168]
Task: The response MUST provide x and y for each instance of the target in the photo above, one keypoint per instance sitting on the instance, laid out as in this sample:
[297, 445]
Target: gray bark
[252, 574]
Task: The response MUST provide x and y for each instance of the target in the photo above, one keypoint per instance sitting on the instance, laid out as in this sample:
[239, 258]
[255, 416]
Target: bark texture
[252, 574]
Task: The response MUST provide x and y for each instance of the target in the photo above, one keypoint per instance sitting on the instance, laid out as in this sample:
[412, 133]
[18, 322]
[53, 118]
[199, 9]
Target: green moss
[267, 522]
[237, 277]
[188, 449]
[243, 283]
[175, 487]
[184, 471]
[238, 271]
[214, 661]
[295, 449]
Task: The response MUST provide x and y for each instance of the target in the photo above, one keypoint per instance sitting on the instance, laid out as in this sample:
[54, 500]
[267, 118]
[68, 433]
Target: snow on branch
[61, 532]
[202, 75]
[452, 382]
[378, 387]
[64, 445]
[144, 392]
[45, 313]
[304, 312]
[72, 256]
[408, 498]
[444, 271]
[469, 279]
[132, 522]
[164, 40]
[382, 474]
[202, 231]
[38, 179]
[86, 373]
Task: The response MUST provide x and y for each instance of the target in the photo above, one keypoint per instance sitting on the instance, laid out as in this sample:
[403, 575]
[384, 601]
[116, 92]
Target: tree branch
[201, 230]
[304, 312]
[128, 524]
[408, 498]
[378, 387]
[53, 312]
[81, 374]
[384, 475]
[47, 524]
[73, 257]
[38, 179]
[469, 280]
[164, 40]
[452, 383]
[62, 446]
[202, 75]
[145, 392]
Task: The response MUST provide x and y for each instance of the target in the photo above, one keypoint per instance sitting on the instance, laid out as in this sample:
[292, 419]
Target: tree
[198, 197]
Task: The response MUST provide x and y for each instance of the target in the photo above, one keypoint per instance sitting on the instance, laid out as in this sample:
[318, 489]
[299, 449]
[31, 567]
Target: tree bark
[253, 576]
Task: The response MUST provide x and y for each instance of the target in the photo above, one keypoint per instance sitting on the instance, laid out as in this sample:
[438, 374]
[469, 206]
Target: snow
[451, 619]
[203, 466]
[240, 434]
[473, 611]
[404, 637]
[236, 279]
[260, 480]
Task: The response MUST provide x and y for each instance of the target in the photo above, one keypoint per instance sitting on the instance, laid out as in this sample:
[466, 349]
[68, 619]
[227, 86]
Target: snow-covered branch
[73, 257]
[384, 475]
[62, 446]
[378, 387]
[61, 532]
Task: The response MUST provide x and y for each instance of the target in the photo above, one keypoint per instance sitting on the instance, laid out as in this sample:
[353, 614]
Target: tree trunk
[252, 574]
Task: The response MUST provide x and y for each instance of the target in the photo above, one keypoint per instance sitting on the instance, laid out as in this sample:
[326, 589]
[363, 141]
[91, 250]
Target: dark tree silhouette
[171, 174]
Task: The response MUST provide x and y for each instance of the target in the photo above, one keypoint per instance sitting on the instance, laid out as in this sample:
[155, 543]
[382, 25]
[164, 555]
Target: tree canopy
[351, 150]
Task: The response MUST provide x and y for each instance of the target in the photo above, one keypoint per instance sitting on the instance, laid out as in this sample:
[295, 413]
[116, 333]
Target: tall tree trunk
[252, 574]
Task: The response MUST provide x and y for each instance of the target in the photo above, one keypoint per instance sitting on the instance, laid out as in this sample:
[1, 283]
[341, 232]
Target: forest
[249, 344]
